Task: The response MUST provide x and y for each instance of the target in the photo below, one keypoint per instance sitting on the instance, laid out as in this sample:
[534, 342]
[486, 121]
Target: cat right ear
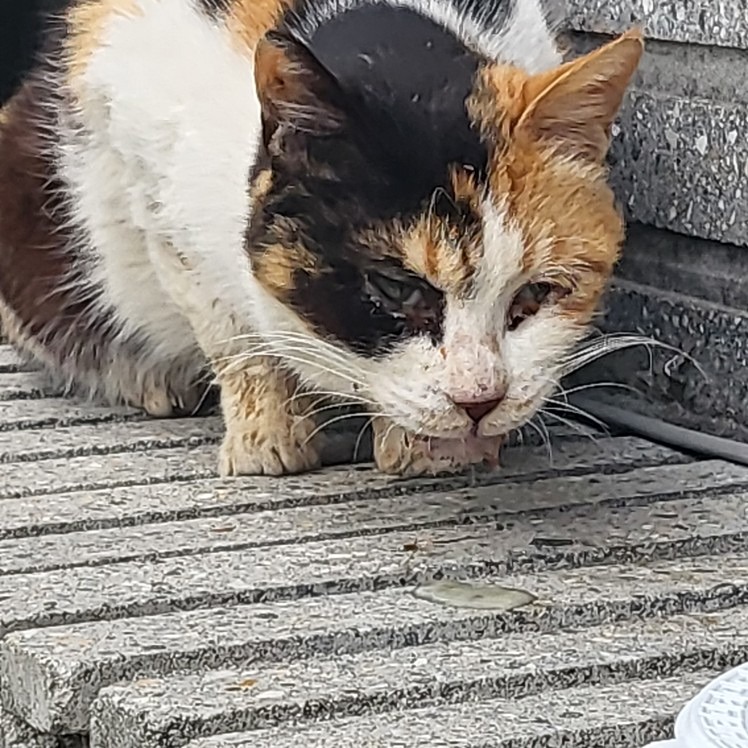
[296, 92]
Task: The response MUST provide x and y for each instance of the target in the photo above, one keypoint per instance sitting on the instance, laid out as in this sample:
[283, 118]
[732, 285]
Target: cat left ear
[574, 106]
[296, 92]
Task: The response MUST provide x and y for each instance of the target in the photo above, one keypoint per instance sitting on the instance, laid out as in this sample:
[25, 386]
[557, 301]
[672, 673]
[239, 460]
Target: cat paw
[283, 447]
[400, 452]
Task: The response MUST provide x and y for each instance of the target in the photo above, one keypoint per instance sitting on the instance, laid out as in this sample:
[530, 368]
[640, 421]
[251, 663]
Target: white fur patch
[170, 122]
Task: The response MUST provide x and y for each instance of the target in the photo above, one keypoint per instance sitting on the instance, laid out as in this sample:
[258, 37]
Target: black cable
[669, 434]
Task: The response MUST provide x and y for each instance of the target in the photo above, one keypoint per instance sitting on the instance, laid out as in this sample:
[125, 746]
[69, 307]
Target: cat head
[436, 265]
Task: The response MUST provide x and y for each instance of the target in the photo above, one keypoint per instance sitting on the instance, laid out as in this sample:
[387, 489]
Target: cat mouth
[470, 449]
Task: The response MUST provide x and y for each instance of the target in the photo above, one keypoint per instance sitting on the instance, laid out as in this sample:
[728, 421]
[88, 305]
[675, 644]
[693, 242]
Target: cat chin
[403, 453]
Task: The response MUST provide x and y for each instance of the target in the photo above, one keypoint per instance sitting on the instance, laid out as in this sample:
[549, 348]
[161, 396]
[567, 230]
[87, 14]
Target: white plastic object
[717, 717]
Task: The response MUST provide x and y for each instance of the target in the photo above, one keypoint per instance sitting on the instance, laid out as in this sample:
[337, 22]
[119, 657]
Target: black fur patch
[402, 83]
[408, 79]
[21, 25]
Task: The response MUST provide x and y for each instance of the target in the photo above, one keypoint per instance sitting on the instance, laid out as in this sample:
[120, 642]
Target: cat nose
[478, 410]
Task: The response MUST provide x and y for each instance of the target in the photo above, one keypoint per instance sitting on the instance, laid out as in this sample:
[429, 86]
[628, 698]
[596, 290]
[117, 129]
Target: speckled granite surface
[147, 600]
[722, 23]
[585, 717]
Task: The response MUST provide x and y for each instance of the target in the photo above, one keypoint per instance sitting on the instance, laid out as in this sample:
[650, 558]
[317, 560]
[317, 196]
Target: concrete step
[15, 733]
[672, 387]
[10, 361]
[102, 493]
[127, 566]
[88, 439]
[137, 588]
[678, 153]
[627, 715]
[54, 412]
[18, 385]
[52, 675]
[654, 161]
[168, 713]
[375, 515]
[92, 472]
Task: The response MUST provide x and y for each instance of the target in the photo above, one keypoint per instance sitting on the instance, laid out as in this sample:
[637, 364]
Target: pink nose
[478, 410]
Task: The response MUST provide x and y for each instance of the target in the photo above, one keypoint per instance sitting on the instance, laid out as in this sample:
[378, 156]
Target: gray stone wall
[679, 164]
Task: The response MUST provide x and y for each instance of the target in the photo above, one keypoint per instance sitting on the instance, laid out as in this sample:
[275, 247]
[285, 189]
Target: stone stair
[577, 598]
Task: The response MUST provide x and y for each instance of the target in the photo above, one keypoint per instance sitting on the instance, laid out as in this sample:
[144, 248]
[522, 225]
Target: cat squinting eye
[388, 290]
[530, 298]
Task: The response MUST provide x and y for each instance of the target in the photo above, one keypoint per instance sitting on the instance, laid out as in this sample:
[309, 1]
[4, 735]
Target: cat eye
[407, 301]
[393, 293]
[530, 298]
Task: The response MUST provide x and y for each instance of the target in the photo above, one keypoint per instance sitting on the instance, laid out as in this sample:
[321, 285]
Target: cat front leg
[401, 452]
[267, 430]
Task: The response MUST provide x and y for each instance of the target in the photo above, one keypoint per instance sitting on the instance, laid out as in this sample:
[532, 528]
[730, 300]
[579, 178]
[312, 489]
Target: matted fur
[398, 205]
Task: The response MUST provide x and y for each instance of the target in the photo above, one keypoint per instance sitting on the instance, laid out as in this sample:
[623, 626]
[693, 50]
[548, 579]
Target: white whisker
[574, 410]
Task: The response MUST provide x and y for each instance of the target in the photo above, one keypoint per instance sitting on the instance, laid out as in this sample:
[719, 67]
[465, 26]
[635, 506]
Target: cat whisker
[568, 422]
[544, 437]
[339, 419]
[285, 355]
[360, 436]
[276, 348]
[322, 395]
[332, 406]
[576, 411]
[599, 347]
[564, 392]
[310, 346]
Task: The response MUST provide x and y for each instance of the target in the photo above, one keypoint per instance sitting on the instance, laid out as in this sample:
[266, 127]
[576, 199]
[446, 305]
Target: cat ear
[296, 92]
[575, 105]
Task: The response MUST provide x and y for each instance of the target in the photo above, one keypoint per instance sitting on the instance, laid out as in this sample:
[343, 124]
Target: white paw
[400, 452]
[282, 447]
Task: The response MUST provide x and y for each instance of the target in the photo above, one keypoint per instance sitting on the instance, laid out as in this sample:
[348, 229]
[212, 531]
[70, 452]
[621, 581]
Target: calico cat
[400, 204]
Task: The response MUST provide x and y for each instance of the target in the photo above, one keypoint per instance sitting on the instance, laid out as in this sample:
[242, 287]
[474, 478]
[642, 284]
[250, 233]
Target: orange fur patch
[276, 266]
[567, 215]
[441, 252]
[261, 185]
[550, 135]
[87, 20]
[250, 20]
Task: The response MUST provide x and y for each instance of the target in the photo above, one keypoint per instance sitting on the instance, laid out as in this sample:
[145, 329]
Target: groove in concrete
[83, 440]
[419, 513]
[53, 412]
[52, 675]
[16, 385]
[168, 713]
[620, 716]
[152, 488]
[11, 362]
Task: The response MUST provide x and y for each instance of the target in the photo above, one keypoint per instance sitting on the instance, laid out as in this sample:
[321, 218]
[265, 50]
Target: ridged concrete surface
[144, 596]
[705, 387]
[587, 716]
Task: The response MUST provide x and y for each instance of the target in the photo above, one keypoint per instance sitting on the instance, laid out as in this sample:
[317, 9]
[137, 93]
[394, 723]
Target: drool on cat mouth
[401, 206]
